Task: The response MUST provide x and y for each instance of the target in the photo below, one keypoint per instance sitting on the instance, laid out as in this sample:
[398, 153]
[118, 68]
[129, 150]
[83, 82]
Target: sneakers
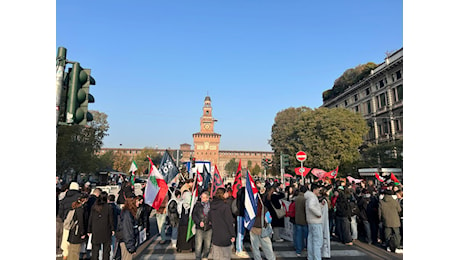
[242, 254]
[299, 255]
[398, 251]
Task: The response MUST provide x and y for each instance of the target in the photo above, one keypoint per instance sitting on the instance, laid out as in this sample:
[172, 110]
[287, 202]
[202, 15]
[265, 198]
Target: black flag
[167, 167]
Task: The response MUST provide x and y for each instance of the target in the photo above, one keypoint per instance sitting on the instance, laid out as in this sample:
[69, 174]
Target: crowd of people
[87, 220]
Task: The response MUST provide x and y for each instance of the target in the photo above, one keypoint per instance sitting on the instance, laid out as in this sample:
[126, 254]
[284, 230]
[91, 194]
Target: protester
[77, 231]
[255, 234]
[272, 201]
[314, 220]
[301, 227]
[116, 211]
[126, 191]
[100, 227]
[221, 219]
[128, 232]
[389, 210]
[174, 210]
[343, 216]
[65, 205]
[240, 230]
[363, 204]
[182, 243]
[203, 233]
[324, 201]
[161, 219]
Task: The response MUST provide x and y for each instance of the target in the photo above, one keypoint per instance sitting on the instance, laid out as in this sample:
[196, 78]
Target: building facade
[379, 98]
[206, 147]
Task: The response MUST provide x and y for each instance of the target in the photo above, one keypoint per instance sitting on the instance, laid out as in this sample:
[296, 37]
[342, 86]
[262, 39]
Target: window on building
[382, 100]
[346, 102]
[356, 97]
[368, 91]
[381, 83]
[397, 93]
[356, 109]
[369, 108]
[398, 74]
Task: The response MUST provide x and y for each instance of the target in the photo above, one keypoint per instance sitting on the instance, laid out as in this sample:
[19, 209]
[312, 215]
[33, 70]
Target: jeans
[266, 245]
[315, 241]
[300, 239]
[202, 241]
[239, 234]
[161, 219]
[354, 228]
[367, 231]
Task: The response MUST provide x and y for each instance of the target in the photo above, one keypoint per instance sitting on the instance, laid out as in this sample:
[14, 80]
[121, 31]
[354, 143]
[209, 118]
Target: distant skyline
[155, 61]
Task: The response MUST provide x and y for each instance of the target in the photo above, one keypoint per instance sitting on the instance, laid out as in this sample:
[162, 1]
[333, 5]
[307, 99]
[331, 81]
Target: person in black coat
[128, 233]
[100, 225]
[77, 233]
[200, 217]
[126, 191]
[343, 217]
[223, 234]
[273, 199]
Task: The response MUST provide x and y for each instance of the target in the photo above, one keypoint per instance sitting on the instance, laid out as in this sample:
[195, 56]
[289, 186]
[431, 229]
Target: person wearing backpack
[77, 228]
[65, 205]
[128, 233]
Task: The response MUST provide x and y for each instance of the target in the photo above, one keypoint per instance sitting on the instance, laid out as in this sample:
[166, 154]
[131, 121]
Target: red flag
[237, 184]
[393, 178]
[321, 174]
[216, 182]
[332, 174]
[306, 171]
[379, 178]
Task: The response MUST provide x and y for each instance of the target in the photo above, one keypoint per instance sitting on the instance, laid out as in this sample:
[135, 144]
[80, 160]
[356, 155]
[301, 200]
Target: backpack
[291, 210]
[69, 221]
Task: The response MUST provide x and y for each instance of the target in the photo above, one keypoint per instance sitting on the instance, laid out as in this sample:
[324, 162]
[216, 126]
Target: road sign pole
[301, 167]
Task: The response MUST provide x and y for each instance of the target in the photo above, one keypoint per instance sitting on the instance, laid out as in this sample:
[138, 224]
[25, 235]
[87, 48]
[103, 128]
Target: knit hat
[74, 186]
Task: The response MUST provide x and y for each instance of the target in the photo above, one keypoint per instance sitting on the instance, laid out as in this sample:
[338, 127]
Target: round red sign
[301, 156]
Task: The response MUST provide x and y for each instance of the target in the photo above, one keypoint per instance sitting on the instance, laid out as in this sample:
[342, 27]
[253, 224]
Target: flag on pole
[250, 202]
[168, 167]
[191, 229]
[132, 170]
[332, 174]
[393, 178]
[156, 188]
[237, 184]
[206, 178]
[379, 178]
[216, 182]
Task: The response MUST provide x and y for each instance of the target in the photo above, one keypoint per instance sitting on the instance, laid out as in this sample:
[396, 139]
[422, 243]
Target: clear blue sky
[155, 61]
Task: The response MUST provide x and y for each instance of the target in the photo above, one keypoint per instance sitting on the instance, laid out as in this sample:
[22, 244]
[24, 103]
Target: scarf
[206, 207]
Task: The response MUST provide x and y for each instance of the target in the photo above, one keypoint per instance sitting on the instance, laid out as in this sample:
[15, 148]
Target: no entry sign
[301, 156]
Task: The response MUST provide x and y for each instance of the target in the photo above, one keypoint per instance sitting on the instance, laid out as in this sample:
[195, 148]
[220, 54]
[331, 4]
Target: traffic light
[193, 162]
[285, 160]
[78, 96]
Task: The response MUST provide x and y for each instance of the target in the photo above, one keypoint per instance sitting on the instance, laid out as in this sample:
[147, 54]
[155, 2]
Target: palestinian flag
[191, 229]
[393, 178]
[379, 178]
[132, 170]
[332, 174]
[237, 184]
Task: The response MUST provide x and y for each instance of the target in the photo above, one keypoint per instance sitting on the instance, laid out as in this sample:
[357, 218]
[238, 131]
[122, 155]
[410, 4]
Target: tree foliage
[231, 167]
[77, 146]
[349, 78]
[330, 137]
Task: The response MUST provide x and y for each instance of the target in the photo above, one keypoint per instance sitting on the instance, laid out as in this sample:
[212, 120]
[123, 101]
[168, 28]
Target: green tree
[330, 137]
[231, 167]
[78, 145]
[256, 170]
